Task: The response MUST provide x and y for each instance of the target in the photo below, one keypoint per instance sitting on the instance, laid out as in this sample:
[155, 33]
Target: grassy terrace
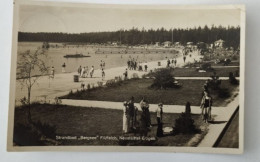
[83, 121]
[192, 72]
[190, 91]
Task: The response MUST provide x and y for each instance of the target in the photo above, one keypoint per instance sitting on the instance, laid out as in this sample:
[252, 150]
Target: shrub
[57, 101]
[113, 83]
[232, 79]
[163, 79]
[214, 82]
[206, 67]
[88, 86]
[23, 101]
[46, 129]
[223, 93]
[25, 136]
[184, 124]
[100, 84]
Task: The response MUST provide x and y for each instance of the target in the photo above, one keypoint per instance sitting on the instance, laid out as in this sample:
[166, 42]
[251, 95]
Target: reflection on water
[56, 56]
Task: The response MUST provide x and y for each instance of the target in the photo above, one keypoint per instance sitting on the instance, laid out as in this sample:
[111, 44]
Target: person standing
[52, 72]
[103, 74]
[145, 108]
[91, 71]
[131, 109]
[101, 64]
[82, 72]
[79, 70]
[205, 105]
[126, 74]
[125, 118]
[63, 68]
[104, 64]
[145, 66]
[184, 58]
[86, 71]
[159, 112]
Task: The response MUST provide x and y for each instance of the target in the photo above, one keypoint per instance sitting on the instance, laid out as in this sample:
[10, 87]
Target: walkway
[221, 115]
[48, 88]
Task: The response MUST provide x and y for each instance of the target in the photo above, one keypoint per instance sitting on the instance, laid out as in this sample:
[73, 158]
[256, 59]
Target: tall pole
[120, 37]
[172, 36]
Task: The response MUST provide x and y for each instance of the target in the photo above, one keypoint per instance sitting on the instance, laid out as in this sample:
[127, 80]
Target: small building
[157, 44]
[190, 44]
[167, 44]
[177, 44]
[219, 43]
[115, 43]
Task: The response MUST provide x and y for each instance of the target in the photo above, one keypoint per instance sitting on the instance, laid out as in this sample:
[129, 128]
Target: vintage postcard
[149, 78]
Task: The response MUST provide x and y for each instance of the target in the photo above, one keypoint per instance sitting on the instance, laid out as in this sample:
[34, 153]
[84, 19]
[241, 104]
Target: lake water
[116, 59]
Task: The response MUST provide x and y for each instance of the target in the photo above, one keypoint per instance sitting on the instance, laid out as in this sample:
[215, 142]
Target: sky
[88, 19]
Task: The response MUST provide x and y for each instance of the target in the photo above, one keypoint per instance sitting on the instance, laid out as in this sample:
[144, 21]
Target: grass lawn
[231, 137]
[192, 72]
[83, 121]
[190, 91]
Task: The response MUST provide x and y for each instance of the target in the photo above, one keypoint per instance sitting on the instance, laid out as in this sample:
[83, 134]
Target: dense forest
[136, 36]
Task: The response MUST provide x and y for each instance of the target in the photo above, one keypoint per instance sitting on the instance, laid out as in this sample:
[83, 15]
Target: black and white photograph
[101, 77]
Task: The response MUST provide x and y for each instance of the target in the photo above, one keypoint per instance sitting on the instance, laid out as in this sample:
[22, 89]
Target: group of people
[130, 114]
[84, 71]
[132, 64]
[172, 62]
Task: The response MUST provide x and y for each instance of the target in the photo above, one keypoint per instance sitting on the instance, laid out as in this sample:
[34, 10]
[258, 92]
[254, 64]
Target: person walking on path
[159, 112]
[63, 68]
[91, 71]
[184, 58]
[125, 118]
[205, 105]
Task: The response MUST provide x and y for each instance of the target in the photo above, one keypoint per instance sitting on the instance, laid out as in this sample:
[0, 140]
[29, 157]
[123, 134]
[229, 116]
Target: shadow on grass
[217, 122]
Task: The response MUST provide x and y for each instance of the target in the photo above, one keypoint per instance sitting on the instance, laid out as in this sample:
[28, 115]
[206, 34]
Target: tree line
[135, 36]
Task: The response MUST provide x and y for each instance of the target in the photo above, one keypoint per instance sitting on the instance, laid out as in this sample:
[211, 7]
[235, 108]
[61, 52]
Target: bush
[25, 136]
[163, 79]
[232, 79]
[223, 93]
[88, 86]
[184, 124]
[113, 83]
[100, 84]
[46, 129]
[206, 67]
